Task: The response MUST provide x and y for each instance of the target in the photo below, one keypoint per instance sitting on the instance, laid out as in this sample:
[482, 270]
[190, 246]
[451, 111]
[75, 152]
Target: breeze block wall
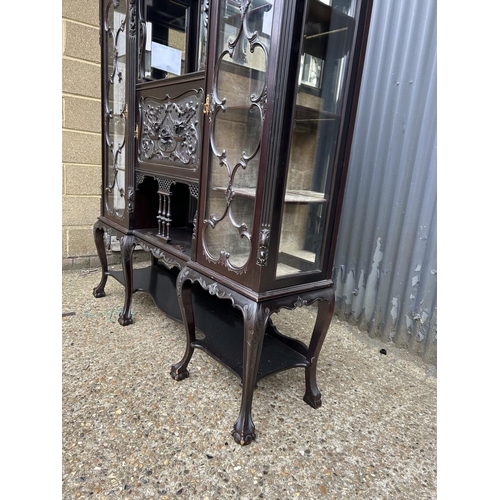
[81, 131]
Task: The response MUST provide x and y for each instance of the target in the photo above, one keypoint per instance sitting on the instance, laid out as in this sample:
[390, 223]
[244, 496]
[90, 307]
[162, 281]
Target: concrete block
[81, 78]
[81, 147]
[80, 210]
[83, 180]
[81, 242]
[67, 264]
[81, 113]
[81, 42]
[85, 11]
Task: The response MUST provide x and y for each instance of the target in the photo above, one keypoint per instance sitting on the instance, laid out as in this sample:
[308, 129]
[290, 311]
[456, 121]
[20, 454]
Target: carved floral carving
[170, 129]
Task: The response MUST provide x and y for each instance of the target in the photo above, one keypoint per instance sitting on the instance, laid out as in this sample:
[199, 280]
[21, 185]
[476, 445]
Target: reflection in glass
[203, 35]
[327, 38]
[174, 45]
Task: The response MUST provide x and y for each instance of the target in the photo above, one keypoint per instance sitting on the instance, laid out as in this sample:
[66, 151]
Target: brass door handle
[206, 106]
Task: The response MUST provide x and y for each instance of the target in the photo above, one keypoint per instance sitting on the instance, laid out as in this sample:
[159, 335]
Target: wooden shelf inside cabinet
[321, 12]
[323, 25]
[309, 119]
[292, 196]
[306, 114]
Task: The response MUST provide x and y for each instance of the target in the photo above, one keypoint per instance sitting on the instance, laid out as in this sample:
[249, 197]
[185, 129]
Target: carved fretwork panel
[170, 129]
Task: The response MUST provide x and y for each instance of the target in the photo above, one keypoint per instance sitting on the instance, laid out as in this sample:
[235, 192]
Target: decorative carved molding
[160, 255]
[131, 200]
[164, 184]
[263, 250]
[180, 280]
[194, 190]
[110, 231]
[224, 260]
[195, 222]
[139, 178]
[263, 103]
[133, 18]
[212, 287]
[315, 296]
[170, 129]
[204, 28]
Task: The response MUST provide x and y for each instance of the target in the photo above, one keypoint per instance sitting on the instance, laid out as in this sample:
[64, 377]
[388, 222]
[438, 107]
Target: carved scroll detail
[255, 102]
[161, 255]
[131, 200]
[139, 178]
[263, 251]
[170, 129]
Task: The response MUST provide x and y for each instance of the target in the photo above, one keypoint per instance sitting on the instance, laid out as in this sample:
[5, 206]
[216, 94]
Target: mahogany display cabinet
[227, 126]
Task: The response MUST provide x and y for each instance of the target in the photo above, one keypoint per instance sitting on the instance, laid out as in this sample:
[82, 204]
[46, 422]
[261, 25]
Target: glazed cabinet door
[316, 155]
[118, 50]
[298, 235]
[237, 83]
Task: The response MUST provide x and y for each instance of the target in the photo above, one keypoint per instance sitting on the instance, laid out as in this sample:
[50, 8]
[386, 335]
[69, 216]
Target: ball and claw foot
[178, 373]
[124, 321]
[243, 438]
[243, 431]
[98, 293]
[313, 400]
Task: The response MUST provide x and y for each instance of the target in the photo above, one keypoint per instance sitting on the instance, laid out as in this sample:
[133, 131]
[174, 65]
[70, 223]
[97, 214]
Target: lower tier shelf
[219, 325]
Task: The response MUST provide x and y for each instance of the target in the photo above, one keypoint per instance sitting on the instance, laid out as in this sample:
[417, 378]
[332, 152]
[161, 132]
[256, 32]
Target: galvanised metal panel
[386, 265]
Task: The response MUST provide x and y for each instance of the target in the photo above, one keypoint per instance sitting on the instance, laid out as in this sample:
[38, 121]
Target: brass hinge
[206, 106]
[125, 112]
[136, 132]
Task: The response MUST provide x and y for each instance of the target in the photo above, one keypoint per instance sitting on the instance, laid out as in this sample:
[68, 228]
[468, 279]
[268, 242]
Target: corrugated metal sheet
[386, 262]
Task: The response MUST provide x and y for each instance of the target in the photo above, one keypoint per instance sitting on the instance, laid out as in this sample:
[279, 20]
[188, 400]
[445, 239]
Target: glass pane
[115, 119]
[165, 54]
[238, 102]
[327, 39]
[176, 36]
[203, 35]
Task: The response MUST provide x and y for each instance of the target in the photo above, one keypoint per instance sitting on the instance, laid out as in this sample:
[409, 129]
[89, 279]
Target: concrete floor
[131, 431]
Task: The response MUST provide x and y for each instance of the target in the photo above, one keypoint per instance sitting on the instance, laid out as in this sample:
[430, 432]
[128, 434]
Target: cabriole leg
[98, 291]
[255, 318]
[179, 371]
[127, 245]
[325, 312]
